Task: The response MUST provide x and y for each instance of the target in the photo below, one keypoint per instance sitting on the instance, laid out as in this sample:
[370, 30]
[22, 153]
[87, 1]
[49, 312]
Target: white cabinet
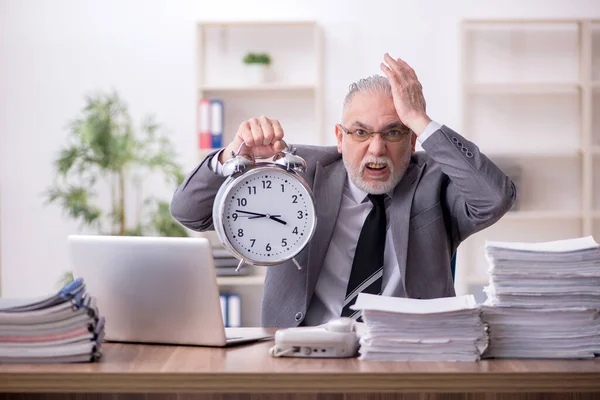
[531, 100]
[291, 92]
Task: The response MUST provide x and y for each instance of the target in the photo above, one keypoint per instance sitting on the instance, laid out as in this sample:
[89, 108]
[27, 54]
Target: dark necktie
[367, 267]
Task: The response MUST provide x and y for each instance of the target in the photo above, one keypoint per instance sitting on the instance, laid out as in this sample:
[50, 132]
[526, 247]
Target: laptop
[155, 289]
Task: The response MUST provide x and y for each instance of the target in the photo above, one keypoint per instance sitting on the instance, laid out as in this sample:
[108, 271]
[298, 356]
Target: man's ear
[413, 142]
[339, 134]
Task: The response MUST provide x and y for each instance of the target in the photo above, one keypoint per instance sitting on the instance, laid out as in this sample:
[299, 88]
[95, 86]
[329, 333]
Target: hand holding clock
[263, 137]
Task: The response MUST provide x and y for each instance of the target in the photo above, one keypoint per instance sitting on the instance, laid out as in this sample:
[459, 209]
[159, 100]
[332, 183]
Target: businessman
[389, 218]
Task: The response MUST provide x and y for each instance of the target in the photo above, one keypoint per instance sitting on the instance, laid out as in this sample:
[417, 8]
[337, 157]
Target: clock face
[268, 215]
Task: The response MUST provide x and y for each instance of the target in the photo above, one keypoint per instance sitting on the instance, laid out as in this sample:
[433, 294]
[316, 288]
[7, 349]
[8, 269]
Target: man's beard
[374, 186]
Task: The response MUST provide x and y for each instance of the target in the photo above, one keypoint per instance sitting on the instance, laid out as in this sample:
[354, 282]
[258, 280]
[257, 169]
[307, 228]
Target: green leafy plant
[104, 155]
[257, 58]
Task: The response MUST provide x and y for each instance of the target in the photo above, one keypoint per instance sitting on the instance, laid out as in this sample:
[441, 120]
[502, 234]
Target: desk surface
[249, 368]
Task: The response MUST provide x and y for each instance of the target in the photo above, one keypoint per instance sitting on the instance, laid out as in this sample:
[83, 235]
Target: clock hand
[258, 215]
[252, 213]
[262, 216]
[274, 218]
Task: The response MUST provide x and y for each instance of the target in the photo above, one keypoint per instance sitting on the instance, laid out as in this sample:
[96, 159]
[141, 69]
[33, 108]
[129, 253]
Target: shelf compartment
[499, 123]
[294, 110]
[595, 30]
[523, 88]
[249, 280]
[596, 117]
[525, 154]
[545, 188]
[540, 215]
[596, 183]
[520, 52]
[292, 48]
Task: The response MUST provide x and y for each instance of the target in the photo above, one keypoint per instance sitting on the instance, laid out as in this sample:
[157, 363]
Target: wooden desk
[191, 373]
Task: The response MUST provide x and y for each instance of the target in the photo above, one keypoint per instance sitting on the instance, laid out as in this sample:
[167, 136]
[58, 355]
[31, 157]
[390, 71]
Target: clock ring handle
[289, 159]
[241, 161]
[287, 149]
[238, 162]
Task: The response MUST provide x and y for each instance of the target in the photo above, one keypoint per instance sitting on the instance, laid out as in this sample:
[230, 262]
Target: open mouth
[375, 166]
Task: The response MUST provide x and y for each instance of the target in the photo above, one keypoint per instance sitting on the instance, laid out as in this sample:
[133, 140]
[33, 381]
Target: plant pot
[256, 73]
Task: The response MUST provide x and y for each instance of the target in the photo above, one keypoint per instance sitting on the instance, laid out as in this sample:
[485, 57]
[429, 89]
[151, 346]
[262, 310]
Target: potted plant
[256, 66]
[105, 155]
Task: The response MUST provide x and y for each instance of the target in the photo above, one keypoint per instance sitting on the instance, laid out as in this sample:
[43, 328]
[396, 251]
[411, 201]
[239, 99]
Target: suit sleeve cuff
[215, 165]
[429, 130]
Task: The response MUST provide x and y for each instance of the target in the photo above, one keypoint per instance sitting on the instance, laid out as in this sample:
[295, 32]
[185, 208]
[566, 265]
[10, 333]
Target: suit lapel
[328, 188]
[400, 215]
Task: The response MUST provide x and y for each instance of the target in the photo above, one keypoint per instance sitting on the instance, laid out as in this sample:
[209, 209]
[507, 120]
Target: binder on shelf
[223, 299]
[231, 308]
[216, 123]
[234, 310]
[204, 135]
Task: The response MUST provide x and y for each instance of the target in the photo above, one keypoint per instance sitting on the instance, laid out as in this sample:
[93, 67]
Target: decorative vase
[256, 73]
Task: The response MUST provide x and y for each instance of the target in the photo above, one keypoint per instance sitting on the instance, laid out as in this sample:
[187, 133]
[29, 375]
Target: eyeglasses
[393, 135]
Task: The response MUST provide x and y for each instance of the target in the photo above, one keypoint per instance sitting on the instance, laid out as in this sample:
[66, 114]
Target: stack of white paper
[400, 329]
[543, 299]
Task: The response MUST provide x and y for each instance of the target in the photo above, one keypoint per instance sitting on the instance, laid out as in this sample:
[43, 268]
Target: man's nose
[377, 146]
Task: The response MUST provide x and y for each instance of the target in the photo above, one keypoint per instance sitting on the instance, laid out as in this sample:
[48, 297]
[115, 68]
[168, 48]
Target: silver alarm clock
[264, 213]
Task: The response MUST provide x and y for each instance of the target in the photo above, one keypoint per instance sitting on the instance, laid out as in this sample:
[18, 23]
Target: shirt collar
[360, 195]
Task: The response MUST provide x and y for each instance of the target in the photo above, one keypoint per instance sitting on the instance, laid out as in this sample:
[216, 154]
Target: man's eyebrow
[397, 125]
[361, 125]
[391, 125]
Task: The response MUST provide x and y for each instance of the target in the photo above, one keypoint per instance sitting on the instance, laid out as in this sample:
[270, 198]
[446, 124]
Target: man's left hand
[407, 93]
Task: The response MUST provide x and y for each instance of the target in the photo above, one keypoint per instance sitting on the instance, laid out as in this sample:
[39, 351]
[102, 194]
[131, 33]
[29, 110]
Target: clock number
[295, 231]
[295, 199]
[251, 189]
[240, 232]
[253, 241]
[284, 242]
[234, 216]
[242, 202]
[282, 188]
[300, 215]
[266, 184]
[268, 248]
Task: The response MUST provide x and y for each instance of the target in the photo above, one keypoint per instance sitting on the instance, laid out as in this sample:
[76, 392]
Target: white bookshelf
[292, 94]
[266, 87]
[531, 101]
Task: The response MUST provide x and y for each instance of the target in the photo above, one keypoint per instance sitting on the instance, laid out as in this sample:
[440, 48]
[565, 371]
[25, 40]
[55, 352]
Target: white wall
[54, 52]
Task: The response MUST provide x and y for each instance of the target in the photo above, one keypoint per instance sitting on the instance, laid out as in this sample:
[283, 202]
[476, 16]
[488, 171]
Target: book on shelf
[204, 136]
[58, 328]
[210, 123]
[231, 309]
[216, 123]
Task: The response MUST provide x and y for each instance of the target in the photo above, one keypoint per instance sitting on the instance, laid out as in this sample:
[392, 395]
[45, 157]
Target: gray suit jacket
[448, 193]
